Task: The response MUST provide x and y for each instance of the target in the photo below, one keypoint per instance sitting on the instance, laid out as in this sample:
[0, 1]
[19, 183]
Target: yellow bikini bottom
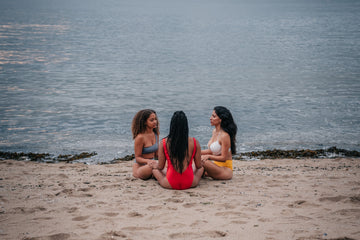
[227, 163]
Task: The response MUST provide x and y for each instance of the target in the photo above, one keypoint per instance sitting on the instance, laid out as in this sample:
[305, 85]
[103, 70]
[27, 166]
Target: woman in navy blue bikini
[145, 130]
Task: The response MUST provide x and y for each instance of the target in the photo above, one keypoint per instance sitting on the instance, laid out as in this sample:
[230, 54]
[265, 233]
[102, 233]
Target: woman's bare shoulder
[140, 137]
[191, 141]
[224, 136]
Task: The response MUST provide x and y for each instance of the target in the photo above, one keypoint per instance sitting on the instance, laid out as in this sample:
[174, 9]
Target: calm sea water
[74, 72]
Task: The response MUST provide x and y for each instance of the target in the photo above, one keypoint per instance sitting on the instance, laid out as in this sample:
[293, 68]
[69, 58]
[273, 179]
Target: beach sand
[267, 199]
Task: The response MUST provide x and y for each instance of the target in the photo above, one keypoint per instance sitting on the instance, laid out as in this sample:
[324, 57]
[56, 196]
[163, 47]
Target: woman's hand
[152, 164]
[204, 158]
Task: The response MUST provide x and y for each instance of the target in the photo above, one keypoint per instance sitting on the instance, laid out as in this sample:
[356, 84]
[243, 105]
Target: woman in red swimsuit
[179, 151]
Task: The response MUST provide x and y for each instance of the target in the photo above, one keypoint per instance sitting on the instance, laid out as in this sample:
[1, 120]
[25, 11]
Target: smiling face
[152, 122]
[214, 119]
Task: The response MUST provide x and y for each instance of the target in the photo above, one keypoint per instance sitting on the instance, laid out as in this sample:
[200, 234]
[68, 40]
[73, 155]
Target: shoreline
[269, 199]
[332, 152]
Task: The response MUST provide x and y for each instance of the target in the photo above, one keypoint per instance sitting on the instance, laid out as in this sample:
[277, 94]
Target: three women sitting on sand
[179, 150]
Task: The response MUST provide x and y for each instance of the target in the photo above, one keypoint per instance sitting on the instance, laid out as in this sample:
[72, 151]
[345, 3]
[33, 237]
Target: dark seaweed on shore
[268, 154]
[126, 158]
[280, 154]
[306, 153]
[45, 157]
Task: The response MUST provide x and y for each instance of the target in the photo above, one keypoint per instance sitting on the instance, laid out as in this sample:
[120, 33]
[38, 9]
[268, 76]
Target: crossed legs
[216, 172]
[160, 175]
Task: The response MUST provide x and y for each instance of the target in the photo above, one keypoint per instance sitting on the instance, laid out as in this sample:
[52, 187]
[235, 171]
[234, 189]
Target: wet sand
[267, 199]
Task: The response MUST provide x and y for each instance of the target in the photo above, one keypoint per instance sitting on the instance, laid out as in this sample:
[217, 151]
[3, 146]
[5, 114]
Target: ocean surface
[73, 73]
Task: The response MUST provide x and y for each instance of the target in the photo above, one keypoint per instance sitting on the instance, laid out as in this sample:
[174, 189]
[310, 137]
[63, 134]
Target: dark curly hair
[139, 122]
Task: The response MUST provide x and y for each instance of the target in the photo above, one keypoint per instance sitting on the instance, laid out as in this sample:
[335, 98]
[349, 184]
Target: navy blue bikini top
[152, 148]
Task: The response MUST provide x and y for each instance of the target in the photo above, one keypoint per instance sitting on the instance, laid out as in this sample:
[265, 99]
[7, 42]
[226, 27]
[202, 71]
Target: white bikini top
[215, 147]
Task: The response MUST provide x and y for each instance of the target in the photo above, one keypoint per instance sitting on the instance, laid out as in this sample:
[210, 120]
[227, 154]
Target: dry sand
[267, 199]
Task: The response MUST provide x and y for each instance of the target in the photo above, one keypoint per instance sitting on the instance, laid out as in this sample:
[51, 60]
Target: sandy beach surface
[267, 199]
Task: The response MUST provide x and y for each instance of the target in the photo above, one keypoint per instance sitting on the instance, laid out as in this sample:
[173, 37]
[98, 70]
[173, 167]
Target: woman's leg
[142, 171]
[161, 177]
[216, 172]
[197, 176]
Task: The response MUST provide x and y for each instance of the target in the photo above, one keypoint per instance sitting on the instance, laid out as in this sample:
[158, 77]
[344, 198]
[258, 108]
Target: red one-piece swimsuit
[178, 180]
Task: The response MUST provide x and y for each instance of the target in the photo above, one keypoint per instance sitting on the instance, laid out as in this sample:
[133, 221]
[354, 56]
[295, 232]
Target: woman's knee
[135, 172]
[224, 174]
[143, 172]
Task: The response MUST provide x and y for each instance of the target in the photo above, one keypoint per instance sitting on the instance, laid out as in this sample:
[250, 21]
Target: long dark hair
[178, 140]
[138, 124]
[227, 124]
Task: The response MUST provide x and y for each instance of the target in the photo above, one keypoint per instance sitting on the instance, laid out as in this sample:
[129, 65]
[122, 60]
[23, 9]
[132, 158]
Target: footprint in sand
[113, 235]
[71, 210]
[134, 229]
[332, 199]
[42, 218]
[68, 192]
[135, 214]
[229, 206]
[302, 203]
[3, 199]
[352, 199]
[84, 189]
[151, 208]
[301, 218]
[351, 212]
[199, 223]
[59, 236]
[81, 218]
[184, 235]
[110, 214]
[189, 205]
[232, 213]
[296, 203]
[239, 222]
[192, 235]
[287, 212]
[274, 183]
[195, 194]
[61, 175]
[272, 232]
[175, 200]
[86, 195]
[216, 234]
[264, 220]
[28, 210]
[355, 199]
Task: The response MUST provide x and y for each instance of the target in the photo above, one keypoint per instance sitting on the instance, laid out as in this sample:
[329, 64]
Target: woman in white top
[221, 146]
